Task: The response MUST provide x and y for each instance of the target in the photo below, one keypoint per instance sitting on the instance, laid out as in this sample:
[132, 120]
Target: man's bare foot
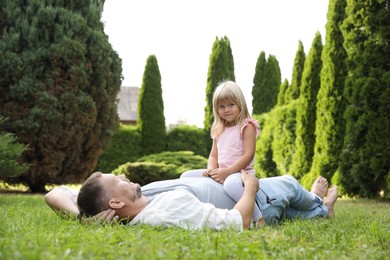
[320, 187]
[330, 200]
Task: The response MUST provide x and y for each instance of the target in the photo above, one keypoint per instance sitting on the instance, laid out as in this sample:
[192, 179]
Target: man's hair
[92, 197]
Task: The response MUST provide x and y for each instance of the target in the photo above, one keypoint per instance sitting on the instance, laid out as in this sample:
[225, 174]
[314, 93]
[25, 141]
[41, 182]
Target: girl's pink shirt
[230, 145]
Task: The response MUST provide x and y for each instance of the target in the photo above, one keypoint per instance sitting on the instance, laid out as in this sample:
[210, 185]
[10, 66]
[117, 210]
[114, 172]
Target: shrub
[10, 151]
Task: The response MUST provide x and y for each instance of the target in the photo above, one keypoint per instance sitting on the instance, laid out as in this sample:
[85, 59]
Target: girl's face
[228, 111]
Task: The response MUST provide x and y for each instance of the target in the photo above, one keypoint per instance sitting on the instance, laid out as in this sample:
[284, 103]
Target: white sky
[181, 34]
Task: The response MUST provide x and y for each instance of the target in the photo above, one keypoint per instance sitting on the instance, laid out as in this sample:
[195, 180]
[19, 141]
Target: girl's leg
[192, 173]
[233, 187]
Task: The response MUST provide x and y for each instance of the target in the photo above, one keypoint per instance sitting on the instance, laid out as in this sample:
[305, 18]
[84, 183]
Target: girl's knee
[233, 187]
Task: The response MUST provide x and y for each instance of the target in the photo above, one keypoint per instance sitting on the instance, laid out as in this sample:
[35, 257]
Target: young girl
[234, 135]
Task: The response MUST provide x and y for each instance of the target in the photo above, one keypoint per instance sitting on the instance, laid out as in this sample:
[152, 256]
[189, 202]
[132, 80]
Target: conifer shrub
[162, 166]
[147, 172]
[59, 82]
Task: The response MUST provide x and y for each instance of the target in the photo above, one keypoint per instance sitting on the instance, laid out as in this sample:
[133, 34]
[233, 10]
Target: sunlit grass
[31, 230]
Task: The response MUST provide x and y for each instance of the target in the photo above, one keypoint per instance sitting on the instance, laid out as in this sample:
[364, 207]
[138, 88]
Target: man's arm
[246, 204]
[60, 200]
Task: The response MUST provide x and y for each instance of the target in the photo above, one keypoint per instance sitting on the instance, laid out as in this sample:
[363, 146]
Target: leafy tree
[365, 164]
[292, 92]
[151, 120]
[221, 67]
[10, 152]
[258, 83]
[306, 110]
[330, 100]
[58, 87]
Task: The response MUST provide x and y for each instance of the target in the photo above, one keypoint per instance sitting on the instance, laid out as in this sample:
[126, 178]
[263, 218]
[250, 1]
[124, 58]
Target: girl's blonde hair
[228, 90]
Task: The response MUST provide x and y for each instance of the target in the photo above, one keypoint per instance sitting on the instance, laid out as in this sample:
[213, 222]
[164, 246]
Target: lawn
[31, 230]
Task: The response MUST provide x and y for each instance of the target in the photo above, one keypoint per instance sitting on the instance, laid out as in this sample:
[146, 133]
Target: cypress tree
[258, 83]
[282, 91]
[58, 87]
[272, 82]
[292, 92]
[269, 82]
[221, 67]
[365, 164]
[151, 120]
[229, 58]
[330, 124]
[306, 110]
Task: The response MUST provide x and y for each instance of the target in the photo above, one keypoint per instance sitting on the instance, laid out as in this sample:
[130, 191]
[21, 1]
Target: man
[278, 197]
[171, 208]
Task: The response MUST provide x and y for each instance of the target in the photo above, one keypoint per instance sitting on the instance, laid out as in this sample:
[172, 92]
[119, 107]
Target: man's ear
[116, 203]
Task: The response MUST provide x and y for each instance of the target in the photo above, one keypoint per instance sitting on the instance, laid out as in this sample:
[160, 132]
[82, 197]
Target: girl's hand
[219, 175]
[207, 173]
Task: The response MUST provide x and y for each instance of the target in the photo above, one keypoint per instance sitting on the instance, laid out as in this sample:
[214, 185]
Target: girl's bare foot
[320, 187]
[259, 223]
[330, 200]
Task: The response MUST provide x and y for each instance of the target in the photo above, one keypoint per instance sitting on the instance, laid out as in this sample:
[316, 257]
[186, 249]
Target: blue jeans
[283, 197]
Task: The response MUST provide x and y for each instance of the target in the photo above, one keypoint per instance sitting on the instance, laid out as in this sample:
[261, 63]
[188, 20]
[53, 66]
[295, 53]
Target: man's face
[123, 189]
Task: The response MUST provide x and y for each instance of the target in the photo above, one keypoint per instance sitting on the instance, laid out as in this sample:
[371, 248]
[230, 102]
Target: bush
[10, 151]
[162, 166]
[124, 147]
[188, 138]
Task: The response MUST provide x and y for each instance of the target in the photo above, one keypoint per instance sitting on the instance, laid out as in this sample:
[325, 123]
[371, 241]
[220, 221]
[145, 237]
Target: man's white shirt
[181, 208]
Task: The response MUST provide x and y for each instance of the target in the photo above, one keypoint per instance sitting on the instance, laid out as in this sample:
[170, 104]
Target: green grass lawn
[31, 230]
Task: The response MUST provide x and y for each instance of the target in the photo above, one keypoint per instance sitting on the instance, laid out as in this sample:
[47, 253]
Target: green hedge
[188, 138]
[124, 147]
